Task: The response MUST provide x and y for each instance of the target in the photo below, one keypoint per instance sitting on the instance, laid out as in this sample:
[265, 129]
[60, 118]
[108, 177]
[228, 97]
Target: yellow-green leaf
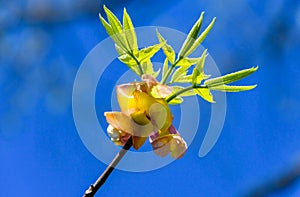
[178, 74]
[148, 69]
[120, 50]
[165, 68]
[200, 39]
[129, 32]
[226, 88]
[187, 62]
[167, 49]
[198, 72]
[106, 25]
[116, 27]
[146, 53]
[110, 32]
[176, 89]
[175, 101]
[130, 62]
[205, 94]
[192, 36]
[229, 78]
[185, 79]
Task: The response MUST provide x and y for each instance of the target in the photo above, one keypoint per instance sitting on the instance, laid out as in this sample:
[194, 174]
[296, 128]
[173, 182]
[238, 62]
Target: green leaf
[110, 32]
[146, 53]
[113, 20]
[179, 73]
[201, 37]
[185, 79]
[175, 101]
[229, 78]
[205, 94]
[198, 72]
[130, 62]
[120, 50]
[106, 25]
[187, 62]
[156, 73]
[165, 68]
[192, 36]
[116, 27]
[200, 78]
[176, 89]
[226, 88]
[167, 49]
[148, 69]
[129, 32]
[127, 59]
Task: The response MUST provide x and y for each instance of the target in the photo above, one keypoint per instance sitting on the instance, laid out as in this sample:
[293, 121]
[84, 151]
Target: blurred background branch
[280, 184]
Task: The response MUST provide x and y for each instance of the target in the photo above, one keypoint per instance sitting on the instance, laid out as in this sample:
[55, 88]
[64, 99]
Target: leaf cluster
[176, 67]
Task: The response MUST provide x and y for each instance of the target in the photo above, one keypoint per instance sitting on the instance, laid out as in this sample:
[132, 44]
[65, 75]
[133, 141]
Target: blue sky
[41, 50]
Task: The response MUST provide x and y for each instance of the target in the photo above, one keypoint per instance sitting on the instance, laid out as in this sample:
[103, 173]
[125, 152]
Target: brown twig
[91, 191]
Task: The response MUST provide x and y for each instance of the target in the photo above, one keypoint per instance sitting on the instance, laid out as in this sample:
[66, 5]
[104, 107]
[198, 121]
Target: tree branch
[91, 191]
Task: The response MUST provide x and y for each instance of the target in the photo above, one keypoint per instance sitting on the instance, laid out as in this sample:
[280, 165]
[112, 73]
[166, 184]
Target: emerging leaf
[185, 79]
[146, 53]
[120, 50]
[201, 37]
[205, 94]
[176, 89]
[175, 101]
[165, 68]
[129, 32]
[167, 49]
[178, 74]
[198, 72]
[226, 88]
[192, 36]
[130, 62]
[116, 27]
[106, 25]
[111, 33]
[229, 78]
[148, 69]
[187, 62]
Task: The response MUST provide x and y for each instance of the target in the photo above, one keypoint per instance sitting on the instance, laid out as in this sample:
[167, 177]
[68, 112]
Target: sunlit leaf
[111, 33]
[116, 27]
[226, 88]
[229, 78]
[165, 68]
[167, 49]
[198, 72]
[130, 62]
[146, 53]
[129, 32]
[156, 73]
[120, 50]
[148, 69]
[192, 36]
[176, 89]
[177, 100]
[205, 94]
[185, 79]
[187, 62]
[106, 25]
[201, 37]
[179, 73]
